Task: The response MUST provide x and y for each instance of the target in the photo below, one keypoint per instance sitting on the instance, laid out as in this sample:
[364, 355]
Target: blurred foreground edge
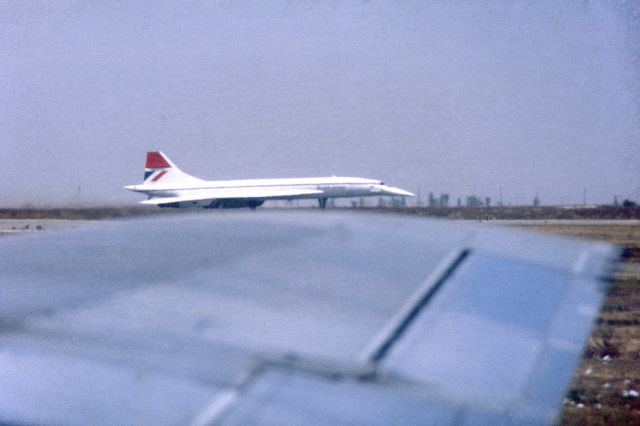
[293, 318]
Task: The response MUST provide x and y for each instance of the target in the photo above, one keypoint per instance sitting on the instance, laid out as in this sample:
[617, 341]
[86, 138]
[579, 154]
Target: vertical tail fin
[158, 168]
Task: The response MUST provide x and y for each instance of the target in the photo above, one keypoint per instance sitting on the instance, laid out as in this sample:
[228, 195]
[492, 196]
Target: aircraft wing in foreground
[168, 186]
[293, 319]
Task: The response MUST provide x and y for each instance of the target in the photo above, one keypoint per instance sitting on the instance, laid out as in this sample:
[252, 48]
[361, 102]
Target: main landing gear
[322, 202]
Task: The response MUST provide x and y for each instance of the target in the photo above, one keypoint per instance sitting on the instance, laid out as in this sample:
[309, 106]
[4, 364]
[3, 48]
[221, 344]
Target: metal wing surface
[292, 319]
[233, 193]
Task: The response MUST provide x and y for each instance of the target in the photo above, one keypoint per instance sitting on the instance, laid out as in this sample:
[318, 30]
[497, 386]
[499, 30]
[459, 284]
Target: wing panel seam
[398, 325]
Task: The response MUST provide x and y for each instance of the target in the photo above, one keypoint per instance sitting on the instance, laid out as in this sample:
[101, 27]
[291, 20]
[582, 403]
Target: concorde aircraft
[168, 186]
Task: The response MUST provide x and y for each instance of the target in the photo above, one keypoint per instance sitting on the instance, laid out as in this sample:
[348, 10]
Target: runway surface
[17, 226]
[568, 222]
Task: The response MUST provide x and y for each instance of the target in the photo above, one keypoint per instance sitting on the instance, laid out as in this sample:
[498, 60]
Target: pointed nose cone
[391, 190]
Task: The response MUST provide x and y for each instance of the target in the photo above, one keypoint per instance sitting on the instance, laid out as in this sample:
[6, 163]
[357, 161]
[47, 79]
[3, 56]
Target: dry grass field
[469, 213]
[519, 212]
[606, 388]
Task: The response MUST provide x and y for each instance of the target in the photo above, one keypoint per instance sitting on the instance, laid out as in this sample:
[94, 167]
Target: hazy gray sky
[459, 97]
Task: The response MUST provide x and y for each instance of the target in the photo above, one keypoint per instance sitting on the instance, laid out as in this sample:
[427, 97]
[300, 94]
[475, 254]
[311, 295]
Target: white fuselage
[329, 187]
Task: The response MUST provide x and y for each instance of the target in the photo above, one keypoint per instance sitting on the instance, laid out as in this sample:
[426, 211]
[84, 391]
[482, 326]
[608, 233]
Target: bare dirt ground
[468, 213]
[606, 388]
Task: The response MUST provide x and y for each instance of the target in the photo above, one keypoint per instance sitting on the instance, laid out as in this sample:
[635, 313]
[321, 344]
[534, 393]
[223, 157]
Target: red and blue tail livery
[156, 162]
